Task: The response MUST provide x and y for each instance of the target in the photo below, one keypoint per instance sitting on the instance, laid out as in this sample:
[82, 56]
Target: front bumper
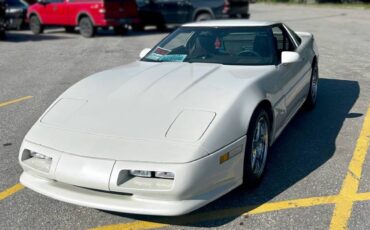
[16, 19]
[92, 185]
[107, 201]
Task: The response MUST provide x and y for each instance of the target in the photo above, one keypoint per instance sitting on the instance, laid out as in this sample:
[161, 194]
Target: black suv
[16, 13]
[163, 12]
[2, 19]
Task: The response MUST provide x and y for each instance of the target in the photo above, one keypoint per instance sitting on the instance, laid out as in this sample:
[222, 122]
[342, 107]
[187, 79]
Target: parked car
[3, 23]
[87, 15]
[16, 14]
[186, 124]
[163, 12]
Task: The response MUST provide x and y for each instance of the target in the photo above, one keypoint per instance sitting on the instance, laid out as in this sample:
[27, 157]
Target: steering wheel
[249, 53]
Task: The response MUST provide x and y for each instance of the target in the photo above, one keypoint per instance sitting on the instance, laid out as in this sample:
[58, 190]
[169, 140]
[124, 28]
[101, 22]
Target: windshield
[222, 45]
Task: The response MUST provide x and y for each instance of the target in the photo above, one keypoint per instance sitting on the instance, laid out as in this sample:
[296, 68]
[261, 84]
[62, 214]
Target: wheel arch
[201, 10]
[267, 106]
[83, 14]
[34, 13]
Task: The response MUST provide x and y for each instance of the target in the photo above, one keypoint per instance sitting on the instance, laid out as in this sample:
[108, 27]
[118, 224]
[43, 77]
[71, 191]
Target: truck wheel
[120, 30]
[2, 35]
[246, 16]
[137, 27]
[69, 29]
[87, 28]
[35, 25]
[161, 27]
[203, 17]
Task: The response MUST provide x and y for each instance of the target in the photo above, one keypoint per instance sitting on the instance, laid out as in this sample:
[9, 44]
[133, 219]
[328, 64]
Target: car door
[290, 75]
[304, 69]
[174, 11]
[53, 12]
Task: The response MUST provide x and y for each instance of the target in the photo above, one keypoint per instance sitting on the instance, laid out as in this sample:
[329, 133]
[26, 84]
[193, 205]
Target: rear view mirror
[289, 57]
[42, 1]
[144, 52]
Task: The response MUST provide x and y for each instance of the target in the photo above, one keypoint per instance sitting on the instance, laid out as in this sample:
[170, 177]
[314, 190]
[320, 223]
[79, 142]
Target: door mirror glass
[289, 57]
[144, 52]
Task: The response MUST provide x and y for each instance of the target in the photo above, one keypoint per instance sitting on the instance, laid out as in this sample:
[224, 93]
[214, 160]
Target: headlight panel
[152, 174]
[37, 160]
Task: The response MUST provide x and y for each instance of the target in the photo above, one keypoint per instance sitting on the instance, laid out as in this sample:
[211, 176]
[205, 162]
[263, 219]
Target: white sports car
[189, 122]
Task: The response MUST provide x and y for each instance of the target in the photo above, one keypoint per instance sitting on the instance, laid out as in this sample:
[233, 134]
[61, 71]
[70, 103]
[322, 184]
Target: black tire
[87, 28]
[69, 29]
[19, 26]
[120, 30]
[203, 17]
[2, 35]
[35, 25]
[251, 174]
[312, 94]
[137, 27]
[161, 27]
[246, 16]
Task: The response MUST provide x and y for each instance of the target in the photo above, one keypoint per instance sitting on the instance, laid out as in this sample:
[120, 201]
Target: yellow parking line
[226, 213]
[343, 202]
[259, 209]
[362, 196]
[343, 208]
[299, 203]
[265, 208]
[133, 225]
[10, 191]
[15, 101]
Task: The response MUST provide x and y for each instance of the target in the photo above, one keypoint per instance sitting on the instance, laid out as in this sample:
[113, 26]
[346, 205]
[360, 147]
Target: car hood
[143, 107]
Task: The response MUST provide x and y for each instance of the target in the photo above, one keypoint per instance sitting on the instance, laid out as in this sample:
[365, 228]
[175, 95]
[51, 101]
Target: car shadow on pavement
[305, 145]
[27, 37]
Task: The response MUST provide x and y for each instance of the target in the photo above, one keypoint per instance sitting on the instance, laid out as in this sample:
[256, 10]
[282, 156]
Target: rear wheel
[257, 146]
[161, 26]
[246, 16]
[87, 28]
[2, 34]
[35, 25]
[120, 30]
[203, 17]
[312, 94]
[137, 27]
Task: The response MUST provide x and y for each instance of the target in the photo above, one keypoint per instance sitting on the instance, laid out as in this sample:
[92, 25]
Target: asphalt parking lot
[318, 173]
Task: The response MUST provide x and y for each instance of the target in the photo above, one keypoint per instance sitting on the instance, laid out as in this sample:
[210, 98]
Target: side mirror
[144, 52]
[289, 57]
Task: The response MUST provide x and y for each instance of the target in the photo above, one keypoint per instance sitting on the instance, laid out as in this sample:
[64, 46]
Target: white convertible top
[229, 23]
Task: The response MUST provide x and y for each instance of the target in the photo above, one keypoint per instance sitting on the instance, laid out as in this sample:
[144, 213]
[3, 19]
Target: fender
[33, 12]
[203, 9]
[84, 13]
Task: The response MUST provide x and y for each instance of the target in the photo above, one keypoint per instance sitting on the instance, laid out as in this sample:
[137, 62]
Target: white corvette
[189, 122]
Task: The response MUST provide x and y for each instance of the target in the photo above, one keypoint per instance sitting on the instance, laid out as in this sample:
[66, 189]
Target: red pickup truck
[88, 15]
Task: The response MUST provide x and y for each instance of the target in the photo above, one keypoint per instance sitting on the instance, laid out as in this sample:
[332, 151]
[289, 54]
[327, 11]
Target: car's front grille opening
[145, 180]
[108, 192]
[36, 160]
